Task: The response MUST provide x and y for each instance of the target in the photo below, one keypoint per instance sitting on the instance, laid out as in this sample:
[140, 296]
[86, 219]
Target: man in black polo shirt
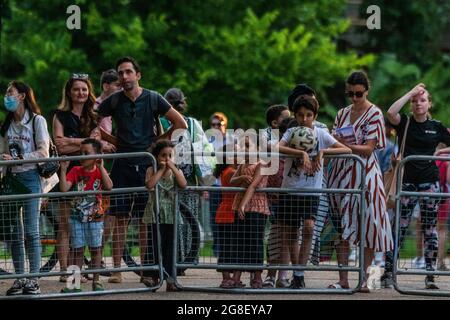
[135, 111]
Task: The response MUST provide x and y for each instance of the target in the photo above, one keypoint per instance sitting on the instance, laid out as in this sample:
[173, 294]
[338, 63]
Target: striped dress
[345, 174]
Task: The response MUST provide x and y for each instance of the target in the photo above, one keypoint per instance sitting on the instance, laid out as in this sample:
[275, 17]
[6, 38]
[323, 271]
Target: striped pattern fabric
[345, 174]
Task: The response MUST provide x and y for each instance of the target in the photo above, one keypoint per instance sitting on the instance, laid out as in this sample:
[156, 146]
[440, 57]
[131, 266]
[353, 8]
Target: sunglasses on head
[357, 94]
[83, 76]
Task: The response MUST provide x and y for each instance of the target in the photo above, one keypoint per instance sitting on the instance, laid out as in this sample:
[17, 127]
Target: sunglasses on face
[357, 94]
[216, 124]
[83, 76]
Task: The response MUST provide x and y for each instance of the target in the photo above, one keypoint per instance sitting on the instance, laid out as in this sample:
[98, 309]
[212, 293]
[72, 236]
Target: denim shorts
[85, 233]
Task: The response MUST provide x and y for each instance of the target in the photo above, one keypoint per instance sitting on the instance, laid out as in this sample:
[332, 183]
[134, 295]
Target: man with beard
[136, 112]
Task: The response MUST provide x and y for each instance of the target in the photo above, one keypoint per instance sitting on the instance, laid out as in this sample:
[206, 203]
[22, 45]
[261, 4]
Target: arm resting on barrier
[250, 191]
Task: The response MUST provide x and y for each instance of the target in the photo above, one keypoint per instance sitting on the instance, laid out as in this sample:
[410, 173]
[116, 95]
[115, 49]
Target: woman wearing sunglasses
[422, 137]
[74, 121]
[360, 126]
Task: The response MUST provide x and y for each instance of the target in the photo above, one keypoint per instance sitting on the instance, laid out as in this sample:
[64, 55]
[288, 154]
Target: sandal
[337, 286]
[149, 281]
[256, 283]
[227, 284]
[97, 286]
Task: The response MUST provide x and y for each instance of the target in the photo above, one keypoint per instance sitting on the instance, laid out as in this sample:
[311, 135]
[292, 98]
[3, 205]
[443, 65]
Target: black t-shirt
[71, 123]
[422, 139]
[135, 121]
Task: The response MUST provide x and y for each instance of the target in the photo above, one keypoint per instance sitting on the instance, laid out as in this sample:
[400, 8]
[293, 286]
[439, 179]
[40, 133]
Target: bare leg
[62, 248]
[368, 257]
[109, 225]
[342, 251]
[307, 234]
[119, 236]
[78, 257]
[96, 258]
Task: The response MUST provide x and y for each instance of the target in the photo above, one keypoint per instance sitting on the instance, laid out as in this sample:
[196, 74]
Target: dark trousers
[167, 252]
[249, 239]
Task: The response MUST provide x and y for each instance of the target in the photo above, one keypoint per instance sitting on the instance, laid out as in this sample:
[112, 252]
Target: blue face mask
[11, 103]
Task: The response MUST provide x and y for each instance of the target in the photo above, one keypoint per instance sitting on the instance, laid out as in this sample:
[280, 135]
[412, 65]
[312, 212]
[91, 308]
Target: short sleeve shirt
[422, 139]
[135, 121]
[293, 175]
[88, 208]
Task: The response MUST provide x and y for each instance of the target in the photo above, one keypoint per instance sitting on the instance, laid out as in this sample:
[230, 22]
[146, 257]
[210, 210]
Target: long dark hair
[88, 115]
[29, 103]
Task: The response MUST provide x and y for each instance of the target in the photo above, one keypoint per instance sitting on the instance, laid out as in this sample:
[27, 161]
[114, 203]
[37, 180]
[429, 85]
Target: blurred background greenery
[233, 56]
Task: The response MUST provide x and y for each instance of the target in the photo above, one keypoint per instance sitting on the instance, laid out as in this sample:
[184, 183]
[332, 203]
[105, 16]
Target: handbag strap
[402, 148]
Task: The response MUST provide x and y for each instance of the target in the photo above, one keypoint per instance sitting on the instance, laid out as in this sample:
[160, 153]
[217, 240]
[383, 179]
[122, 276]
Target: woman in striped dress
[367, 123]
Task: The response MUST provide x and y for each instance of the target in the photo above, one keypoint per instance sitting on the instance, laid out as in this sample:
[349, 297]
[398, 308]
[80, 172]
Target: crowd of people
[128, 118]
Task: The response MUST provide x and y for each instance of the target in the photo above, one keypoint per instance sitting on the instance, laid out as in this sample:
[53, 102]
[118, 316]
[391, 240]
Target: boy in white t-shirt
[305, 172]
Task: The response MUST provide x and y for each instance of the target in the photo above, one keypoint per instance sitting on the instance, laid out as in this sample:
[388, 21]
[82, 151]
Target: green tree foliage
[234, 56]
[408, 48]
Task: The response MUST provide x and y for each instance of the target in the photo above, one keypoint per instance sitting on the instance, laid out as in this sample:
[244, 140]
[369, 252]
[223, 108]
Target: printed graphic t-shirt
[88, 208]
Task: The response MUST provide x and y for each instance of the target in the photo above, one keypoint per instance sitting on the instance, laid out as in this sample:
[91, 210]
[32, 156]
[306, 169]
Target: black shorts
[129, 173]
[293, 209]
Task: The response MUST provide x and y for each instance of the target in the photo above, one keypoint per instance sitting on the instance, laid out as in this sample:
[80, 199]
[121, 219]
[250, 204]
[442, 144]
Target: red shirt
[89, 207]
[225, 213]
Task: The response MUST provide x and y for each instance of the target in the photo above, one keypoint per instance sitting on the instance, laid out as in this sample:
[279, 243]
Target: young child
[251, 212]
[275, 181]
[86, 219]
[224, 217]
[297, 208]
[166, 177]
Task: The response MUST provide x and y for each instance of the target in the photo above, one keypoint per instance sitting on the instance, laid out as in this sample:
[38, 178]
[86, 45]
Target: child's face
[284, 114]
[165, 154]
[87, 149]
[305, 117]
[420, 104]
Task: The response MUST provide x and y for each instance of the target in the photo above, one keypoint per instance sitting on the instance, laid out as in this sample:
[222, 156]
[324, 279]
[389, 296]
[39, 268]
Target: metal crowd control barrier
[400, 262]
[206, 261]
[132, 262]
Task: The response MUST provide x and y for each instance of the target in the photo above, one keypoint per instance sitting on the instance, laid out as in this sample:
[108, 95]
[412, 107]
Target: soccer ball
[303, 138]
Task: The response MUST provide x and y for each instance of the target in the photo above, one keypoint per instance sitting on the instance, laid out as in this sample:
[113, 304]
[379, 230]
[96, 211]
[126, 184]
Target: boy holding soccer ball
[308, 143]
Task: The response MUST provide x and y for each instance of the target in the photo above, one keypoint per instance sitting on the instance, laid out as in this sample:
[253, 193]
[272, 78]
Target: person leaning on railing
[17, 142]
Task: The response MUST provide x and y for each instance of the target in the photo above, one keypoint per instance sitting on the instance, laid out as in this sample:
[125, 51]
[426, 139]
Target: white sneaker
[418, 263]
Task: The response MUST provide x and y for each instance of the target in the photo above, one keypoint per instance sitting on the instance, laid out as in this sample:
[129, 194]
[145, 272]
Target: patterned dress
[345, 174]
